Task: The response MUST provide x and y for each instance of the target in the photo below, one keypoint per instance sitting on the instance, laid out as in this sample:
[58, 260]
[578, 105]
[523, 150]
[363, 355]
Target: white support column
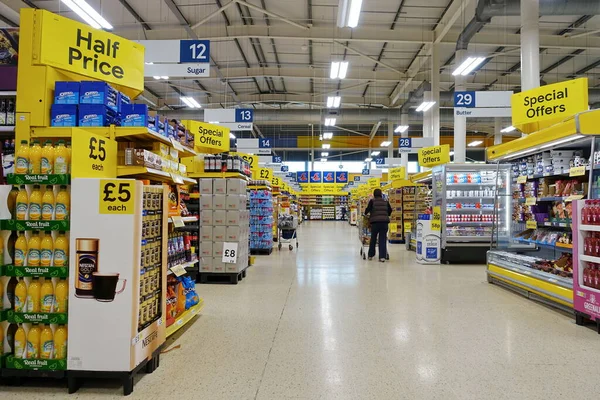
[427, 128]
[435, 94]
[530, 44]
[497, 129]
[312, 147]
[404, 156]
[460, 123]
[391, 139]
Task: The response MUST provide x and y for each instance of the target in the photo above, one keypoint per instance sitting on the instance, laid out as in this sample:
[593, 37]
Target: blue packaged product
[92, 92]
[63, 115]
[66, 92]
[97, 115]
[134, 115]
[123, 100]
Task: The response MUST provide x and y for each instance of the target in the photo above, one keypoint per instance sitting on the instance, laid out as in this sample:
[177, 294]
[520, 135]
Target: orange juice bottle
[34, 296]
[61, 297]
[46, 250]
[61, 158]
[61, 250]
[20, 342]
[60, 343]
[47, 158]
[22, 158]
[22, 204]
[47, 296]
[33, 342]
[47, 343]
[33, 250]
[35, 204]
[69, 157]
[35, 158]
[20, 299]
[20, 250]
[62, 204]
[11, 201]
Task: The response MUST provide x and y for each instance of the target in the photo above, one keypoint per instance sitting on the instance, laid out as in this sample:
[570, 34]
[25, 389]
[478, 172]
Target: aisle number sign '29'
[117, 196]
[94, 156]
[78, 48]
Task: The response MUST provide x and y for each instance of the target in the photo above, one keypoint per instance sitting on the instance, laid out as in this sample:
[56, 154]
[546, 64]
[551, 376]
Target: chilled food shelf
[185, 317]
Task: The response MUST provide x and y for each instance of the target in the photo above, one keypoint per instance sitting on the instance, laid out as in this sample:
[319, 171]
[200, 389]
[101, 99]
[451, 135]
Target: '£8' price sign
[117, 196]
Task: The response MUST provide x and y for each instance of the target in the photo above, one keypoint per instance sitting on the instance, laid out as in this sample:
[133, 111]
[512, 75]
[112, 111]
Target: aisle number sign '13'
[117, 196]
[94, 156]
[78, 48]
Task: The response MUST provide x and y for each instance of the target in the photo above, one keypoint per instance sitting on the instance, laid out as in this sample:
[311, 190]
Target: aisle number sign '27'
[94, 156]
[117, 196]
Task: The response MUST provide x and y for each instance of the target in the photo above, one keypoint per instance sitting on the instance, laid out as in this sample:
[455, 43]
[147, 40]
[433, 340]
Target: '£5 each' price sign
[94, 156]
[117, 196]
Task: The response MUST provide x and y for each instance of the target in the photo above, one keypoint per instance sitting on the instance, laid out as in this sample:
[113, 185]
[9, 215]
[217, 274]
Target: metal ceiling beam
[213, 14]
[274, 15]
[8, 21]
[135, 15]
[374, 131]
[351, 131]
[376, 61]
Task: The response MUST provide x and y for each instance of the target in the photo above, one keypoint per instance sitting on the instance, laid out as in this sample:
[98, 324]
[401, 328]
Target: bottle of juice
[1, 300]
[47, 296]
[20, 250]
[34, 295]
[22, 204]
[61, 250]
[61, 296]
[33, 341]
[11, 201]
[60, 158]
[62, 204]
[33, 249]
[1, 252]
[10, 337]
[47, 158]
[35, 204]
[46, 250]
[20, 343]
[10, 291]
[22, 158]
[35, 158]
[48, 203]
[69, 157]
[47, 343]
[60, 343]
[20, 296]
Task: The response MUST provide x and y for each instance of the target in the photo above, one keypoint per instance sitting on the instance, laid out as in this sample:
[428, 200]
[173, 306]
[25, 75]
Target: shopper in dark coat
[379, 211]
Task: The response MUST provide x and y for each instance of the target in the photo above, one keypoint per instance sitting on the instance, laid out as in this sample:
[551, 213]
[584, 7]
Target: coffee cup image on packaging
[105, 286]
[86, 265]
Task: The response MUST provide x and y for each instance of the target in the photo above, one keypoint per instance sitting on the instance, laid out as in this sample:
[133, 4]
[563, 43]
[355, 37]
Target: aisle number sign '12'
[194, 51]
[78, 48]
[117, 196]
[93, 156]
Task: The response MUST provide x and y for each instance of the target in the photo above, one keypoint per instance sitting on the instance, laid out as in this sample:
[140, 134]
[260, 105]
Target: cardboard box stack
[223, 218]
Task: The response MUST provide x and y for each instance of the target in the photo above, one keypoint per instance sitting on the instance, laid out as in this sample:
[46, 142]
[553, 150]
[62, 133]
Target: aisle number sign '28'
[116, 196]
[94, 156]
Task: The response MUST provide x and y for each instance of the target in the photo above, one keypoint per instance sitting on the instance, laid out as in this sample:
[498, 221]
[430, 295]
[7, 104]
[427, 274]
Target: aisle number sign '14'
[93, 156]
[117, 196]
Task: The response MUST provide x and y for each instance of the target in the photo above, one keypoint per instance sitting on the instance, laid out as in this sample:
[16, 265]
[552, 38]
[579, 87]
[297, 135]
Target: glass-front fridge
[474, 201]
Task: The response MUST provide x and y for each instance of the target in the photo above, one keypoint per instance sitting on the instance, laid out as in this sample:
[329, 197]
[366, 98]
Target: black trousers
[378, 232]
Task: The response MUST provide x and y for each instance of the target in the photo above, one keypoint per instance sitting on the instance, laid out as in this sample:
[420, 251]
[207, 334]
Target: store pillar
[390, 139]
[460, 122]
[435, 94]
[530, 44]
[497, 129]
[404, 156]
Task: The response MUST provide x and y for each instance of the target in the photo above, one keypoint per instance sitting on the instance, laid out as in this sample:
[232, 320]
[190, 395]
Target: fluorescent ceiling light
[334, 101]
[385, 143]
[475, 143]
[190, 102]
[401, 128]
[508, 129]
[323, 160]
[339, 69]
[156, 77]
[424, 106]
[88, 14]
[326, 146]
[468, 66]
[330, 121]
[569, 139]
[375, 153]
[231, 135]
[349, 13]
[327, 135]
[324, 154]
[149, 63]
[368, 159]
[213, 122]
[164, 77]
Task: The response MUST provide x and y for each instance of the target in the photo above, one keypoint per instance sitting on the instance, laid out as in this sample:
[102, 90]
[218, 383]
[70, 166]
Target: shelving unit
[324, 207]
[185, 318]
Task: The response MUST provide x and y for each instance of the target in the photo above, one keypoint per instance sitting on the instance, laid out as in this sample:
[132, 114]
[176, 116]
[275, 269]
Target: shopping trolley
[364, 235]
[287, 231]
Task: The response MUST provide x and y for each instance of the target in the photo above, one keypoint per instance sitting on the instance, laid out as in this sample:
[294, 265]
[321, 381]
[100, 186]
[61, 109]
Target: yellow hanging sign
[275, 181]
[395, 174]
[117, 196]
[549, 104]
[250, 159]
[264, 174]
[435, 155]
[93, 156]
[76, 47]
[208, 138]
[374, 183]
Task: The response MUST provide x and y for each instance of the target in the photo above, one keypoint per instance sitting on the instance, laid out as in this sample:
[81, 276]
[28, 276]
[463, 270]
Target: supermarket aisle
[324, 324]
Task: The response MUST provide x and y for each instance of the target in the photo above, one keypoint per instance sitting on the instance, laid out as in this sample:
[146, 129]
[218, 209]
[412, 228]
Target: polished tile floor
[321, 323]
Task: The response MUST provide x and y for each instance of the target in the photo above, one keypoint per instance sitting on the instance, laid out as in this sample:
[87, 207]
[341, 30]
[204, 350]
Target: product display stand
[423, 198]
[261, 218]
[324, 207]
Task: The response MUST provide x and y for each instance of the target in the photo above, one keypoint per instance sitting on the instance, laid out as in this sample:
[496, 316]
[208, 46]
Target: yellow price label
[436, 219]
[407, 226]
[393, 228]
[574, 197]
[250, 159]
[531, 224]
[94, 156]
[275, 181]
[522, 179]
[117, 196]
[530, 201]
[264, 174]
[577, 171]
